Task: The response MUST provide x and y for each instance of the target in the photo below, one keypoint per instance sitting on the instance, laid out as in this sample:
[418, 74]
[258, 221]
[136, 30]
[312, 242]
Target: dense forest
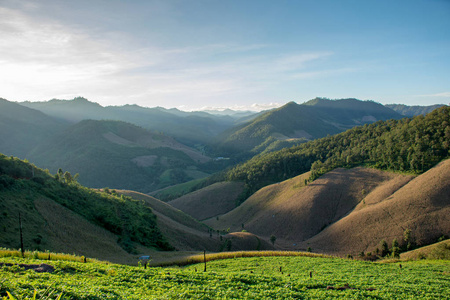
[408, 145]
[131, 220]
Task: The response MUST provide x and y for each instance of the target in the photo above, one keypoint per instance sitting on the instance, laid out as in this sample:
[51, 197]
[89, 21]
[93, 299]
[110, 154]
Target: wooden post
[204, 259]
[21, 237]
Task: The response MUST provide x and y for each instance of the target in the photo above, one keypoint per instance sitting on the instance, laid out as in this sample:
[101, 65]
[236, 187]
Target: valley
[374, 191]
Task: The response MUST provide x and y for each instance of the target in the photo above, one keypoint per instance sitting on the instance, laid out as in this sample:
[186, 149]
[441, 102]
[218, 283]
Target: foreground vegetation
[238, 278]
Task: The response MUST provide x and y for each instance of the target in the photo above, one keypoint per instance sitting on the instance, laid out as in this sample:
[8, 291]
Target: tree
[407, 238]
[384, 248]
[395, 251]
[68, 177]
[273, 239]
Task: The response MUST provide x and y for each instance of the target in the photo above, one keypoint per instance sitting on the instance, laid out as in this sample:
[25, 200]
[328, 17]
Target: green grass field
[236, 278]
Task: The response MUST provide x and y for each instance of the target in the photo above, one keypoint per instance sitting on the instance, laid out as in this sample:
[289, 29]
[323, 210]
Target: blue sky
[241, 54]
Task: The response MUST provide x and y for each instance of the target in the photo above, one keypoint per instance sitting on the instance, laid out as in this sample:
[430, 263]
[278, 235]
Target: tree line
[411, 145]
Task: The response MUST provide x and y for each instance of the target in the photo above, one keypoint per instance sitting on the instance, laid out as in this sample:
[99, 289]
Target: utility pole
[21, 237]
[204, 258]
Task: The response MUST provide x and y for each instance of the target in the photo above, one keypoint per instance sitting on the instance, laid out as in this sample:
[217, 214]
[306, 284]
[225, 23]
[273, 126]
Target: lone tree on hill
[273, 239]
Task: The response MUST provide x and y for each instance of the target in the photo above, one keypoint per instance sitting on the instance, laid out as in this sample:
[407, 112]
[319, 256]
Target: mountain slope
[58, 214]
[297, 123]
[411, 111]
[181, 230]
[347, 210]
[22, 128]
[119, 155]
[213, 200]
[293, 211]
[422, 205]
[413, 145]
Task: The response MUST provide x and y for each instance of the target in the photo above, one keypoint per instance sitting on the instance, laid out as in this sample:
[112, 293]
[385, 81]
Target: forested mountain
[22, 128]
[411, 111]
[47, 204]
[120, 155]
[188, 127]
[293, 124]
[412, 145]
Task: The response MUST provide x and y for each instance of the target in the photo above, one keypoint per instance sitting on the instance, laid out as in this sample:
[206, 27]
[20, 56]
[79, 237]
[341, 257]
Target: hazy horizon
[191, 55]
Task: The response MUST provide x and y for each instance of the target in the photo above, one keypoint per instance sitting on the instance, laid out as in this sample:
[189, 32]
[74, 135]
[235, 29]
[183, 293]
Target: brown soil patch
[211, 201]
[42, 268]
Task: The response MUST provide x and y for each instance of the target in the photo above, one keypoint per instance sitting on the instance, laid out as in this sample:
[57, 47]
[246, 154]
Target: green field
[238, 278]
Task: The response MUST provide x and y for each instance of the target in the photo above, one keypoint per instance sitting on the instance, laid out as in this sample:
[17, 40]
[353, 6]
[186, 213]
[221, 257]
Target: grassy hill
[60, 215]
[213, 200]
[439, 250]
[296, 123]
[120, 155]
[22, 128]
[181, 230]
[422, 206]
[347, 211]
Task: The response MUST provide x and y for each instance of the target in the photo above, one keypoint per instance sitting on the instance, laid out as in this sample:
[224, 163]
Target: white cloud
[253, 107]
[437, 95]
[42, 59]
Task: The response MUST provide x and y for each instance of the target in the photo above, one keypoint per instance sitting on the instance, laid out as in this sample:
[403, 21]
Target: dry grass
[294, 212]
[200, 258]
[347, 211]
[181, 230]
[46, 255]
[431, 251]
[216, 199]
[422, 205]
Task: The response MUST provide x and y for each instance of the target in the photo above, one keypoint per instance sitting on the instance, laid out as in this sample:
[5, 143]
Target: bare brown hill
[213, 200]
[422, 206]
[181, 230]
[294, 212]
[246, 241]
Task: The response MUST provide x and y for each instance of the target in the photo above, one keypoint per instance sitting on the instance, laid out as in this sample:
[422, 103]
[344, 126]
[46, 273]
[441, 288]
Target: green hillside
[119, 155]
[30, 191]
[295, 124]
[408, 145]
[22, 128]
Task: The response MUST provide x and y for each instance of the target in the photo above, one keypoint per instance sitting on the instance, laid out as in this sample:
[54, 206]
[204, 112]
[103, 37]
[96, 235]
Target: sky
[239, 54]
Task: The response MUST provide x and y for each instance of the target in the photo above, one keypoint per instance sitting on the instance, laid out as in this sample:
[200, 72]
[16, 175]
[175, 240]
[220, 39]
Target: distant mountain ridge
[411, 111]
[22, 128]
[188, 127]
[296, 123]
